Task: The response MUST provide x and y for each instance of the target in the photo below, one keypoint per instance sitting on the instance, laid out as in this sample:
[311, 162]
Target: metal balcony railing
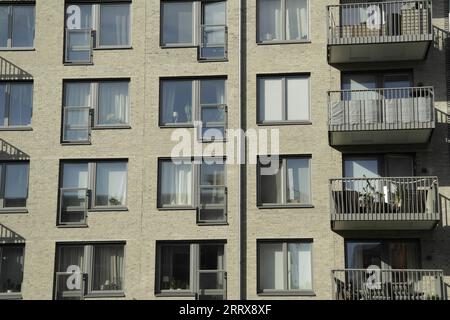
[213, 205]
[79, 46]
[381, 109]
[214, 119]
[77, 124]
[214, 42]
[212, 285]
[380, 22]
[70, 286]
[396, 198]
[74, 203]
[388, 284]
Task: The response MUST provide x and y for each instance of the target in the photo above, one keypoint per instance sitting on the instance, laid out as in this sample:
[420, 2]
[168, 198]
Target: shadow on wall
[9, 71]
[10, 152]
[9, 236]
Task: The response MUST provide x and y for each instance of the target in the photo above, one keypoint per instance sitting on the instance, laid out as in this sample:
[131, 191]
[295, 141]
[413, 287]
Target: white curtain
[270, 99]
[271, 266]
[108, 267]
[176, 186]
[177, 22]
[20, 104]
[113, 103]
[269, 20]
[114, 24]
[111, 184]
[299, 266]
[75, 175]
[70, 256]
[11, 268]
[297, 98]
[177, 102]
[298, 181]
[23, 26]
[296, 19]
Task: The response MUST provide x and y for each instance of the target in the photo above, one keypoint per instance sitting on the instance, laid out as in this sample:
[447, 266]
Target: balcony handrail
[437, 271]
[392, 179]
[376, 3]
[428, 88]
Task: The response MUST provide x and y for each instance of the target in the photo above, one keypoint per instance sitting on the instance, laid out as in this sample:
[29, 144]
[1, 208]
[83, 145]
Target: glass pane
[21, 104]
[114, 24]
[214, 13]
[73, 207]
[271, 189]
[85, 14]
[11, 269]
[4, 30]
[77, 94]
[298, 181]
[211, 257]
[299, 266]
[212, 175]
[177, 23]
[113, 103]
[296, 19]
[175, 264]
[212, 92]
[361, 255]
[176, 184]
[269, 17]
[213, 114]
[399, 166]
[16, 185]
[271, 266]
[111, 184]
[2, 104]
[270, 99]
[403, 255]
[359, 168]
[108, 268]
[69, 256]
[23, 26]
[79, 46]
[75, 175]
[212, 196]
[297, 98]
[177, 102]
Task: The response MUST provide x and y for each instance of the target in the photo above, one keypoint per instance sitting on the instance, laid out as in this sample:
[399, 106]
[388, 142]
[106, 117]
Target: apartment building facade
[95, 96]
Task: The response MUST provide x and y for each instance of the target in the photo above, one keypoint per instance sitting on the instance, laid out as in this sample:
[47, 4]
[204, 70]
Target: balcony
[407, 203]
[381, 116]
[73, 207]
[213, 46]
[70, 286]
[212, 285]
[388, 284]
[379, 31]
[79, 46]
[213, 205]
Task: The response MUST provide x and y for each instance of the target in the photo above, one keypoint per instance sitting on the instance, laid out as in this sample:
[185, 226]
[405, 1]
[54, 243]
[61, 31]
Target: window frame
[283, 159]
[91, 184]
[89, 267]
[196, 186]
[3, 209]
[283, 25]
[197, 107]
[285, 292]
[284, 106]
[9, 46]
[13, 295]
[96, 22]
[94, 108]
[194, 266]
[4, 123]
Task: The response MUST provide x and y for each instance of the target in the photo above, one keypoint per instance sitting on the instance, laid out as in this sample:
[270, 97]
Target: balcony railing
[213, 205]
[74, 204]
[70, 286]
[212, 285]
[214, 122]
[77, 124]
[381, 109]
[388, 284]
[380, 22]
[79, 46]
[214, 42]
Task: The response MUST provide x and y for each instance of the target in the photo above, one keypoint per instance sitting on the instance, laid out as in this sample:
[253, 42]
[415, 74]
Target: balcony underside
[392, 221]
[356, 136]
[382, 49]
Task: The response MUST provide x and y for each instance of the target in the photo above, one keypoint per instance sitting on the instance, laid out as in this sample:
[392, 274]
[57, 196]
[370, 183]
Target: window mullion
[10, 27]
[95, 102]
[284, 181]
[6, 120]
[196, 21]
[193, 267]
[92, 173]
[286, 266]
[284, 98]
[96, 23]
[283, 19]
[2, 184]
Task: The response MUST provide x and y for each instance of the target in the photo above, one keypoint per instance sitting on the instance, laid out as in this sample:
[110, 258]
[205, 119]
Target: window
[107, 101]
[178, 179]
[285, 266]
[17, 23]
[283, 99]
[100, 185]
[13, 185]
[191, 268]
[11, 269]
[290, 185]
[100, 268]
[283, 20]
[187, 101]
[16, 101]
[195, 23]
[99, 25]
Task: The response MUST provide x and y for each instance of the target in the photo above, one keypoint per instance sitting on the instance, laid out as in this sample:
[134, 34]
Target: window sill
[11, 296]
[87, 143]
[74, 226]
[178, 46]
[212, 224]
[16, 129]
[93, 295]
[287, 294]
[286, 206]
[264, 43]
[109, 209]
[284, 123]
[176, 208]
[175, 294]
[13, 211]
[212, 60]
[113, 48]
[177, 126]
[112, 127]
[78, 64]
[17, 49]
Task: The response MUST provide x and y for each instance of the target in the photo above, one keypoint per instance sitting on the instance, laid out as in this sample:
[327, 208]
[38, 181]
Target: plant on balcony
[369, 195]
